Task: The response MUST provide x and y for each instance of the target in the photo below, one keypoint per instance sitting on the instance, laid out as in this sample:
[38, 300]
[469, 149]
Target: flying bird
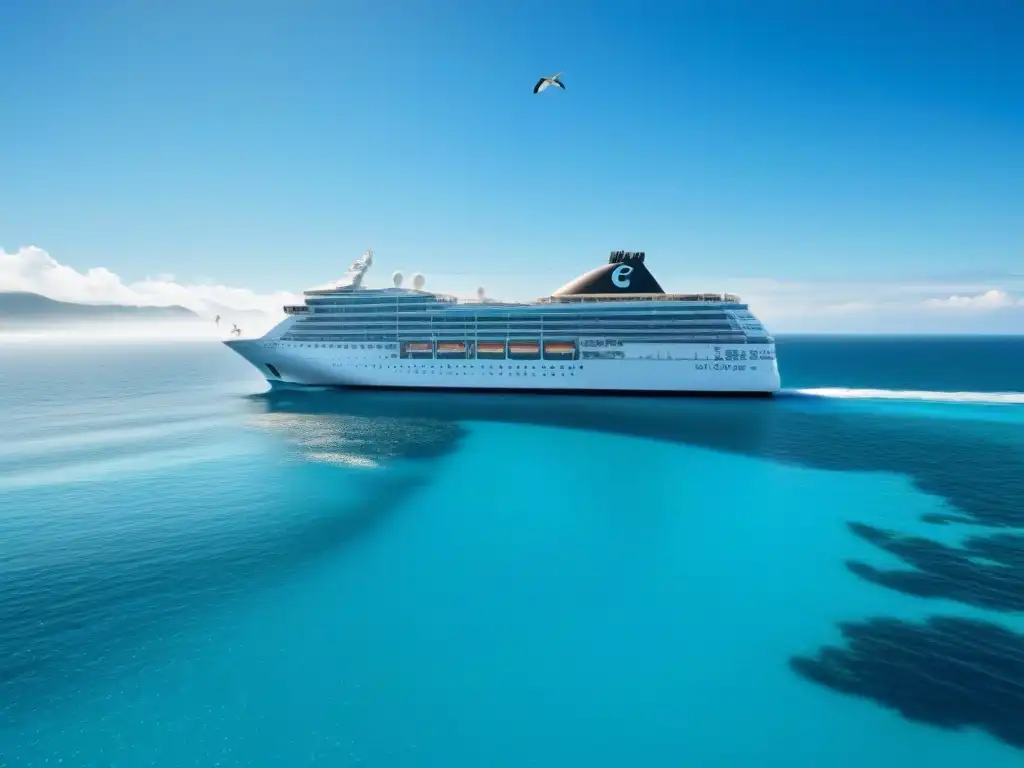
[544, 82]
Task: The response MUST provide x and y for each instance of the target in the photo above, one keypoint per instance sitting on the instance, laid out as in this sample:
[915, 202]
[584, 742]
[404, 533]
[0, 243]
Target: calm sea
[194, 573]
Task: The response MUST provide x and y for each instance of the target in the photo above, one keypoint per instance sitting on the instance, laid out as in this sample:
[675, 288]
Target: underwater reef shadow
[985, 571]
[941, 456]
[947, 672]
[60, 626]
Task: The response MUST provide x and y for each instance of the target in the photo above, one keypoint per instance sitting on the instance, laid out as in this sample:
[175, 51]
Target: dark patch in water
[948, 672]
[986, 571]
[941, 519]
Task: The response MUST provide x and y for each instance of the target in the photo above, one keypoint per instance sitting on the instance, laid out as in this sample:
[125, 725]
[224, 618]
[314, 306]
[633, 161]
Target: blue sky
[759, 145]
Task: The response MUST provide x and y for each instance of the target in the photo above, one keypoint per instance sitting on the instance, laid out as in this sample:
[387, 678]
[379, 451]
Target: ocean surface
[194, 572]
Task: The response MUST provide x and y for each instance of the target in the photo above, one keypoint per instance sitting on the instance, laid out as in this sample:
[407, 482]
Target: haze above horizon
[858, 168]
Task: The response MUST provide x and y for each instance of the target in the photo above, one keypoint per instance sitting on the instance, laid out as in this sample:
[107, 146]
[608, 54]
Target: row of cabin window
[500, 321]
[654, 322]
[514, 329]
[680, 339]
[516, 332]
[573, 314]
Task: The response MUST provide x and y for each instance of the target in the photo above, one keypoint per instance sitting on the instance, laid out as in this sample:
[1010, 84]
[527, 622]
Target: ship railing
[697, 298]
[692, 338]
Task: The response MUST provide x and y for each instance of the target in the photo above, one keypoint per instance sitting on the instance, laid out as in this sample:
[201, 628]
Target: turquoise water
[193, 573]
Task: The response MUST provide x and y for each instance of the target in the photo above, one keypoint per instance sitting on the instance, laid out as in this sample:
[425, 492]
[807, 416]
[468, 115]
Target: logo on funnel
[620, 276]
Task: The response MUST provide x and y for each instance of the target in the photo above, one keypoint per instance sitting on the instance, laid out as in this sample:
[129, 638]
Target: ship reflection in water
[818, 433]
[371, 426]
[944, 670]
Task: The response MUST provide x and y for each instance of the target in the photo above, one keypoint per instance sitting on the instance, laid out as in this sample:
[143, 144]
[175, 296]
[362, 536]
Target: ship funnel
[397, 279]
[480, 293]
[418, 281]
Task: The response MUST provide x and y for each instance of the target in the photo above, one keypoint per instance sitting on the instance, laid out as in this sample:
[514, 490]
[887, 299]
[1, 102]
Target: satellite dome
[418, 281]
[397, 279]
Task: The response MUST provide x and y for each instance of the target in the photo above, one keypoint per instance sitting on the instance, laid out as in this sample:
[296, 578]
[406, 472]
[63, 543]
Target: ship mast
[360, 267]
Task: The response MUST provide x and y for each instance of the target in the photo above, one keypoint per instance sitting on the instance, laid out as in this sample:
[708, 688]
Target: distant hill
[23, 308]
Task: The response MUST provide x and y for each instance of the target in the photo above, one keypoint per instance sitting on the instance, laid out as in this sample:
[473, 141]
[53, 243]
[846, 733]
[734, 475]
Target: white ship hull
[642, 368]
[612, 329]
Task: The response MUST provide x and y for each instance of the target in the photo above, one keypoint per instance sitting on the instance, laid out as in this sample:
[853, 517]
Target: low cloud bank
[34, 270]
[992, 305]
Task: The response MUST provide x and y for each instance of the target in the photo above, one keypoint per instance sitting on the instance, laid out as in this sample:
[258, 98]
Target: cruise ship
[612, 329]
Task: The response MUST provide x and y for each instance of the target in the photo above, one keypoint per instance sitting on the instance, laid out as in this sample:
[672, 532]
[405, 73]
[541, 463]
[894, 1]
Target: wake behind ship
[612, 329]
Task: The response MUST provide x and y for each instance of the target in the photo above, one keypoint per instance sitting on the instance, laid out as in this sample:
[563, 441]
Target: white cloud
[988, 300]
[907, 307]
[33, 269]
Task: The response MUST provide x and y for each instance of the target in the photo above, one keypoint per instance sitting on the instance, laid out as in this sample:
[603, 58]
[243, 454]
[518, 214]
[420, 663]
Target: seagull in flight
[544, 82]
